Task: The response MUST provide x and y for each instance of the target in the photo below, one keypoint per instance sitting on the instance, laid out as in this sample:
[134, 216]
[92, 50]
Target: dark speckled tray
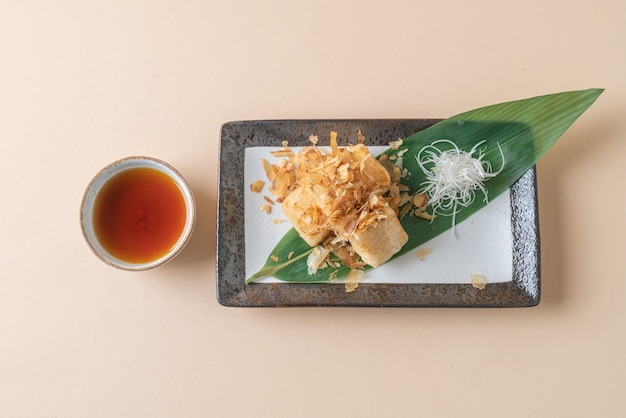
[523, 291]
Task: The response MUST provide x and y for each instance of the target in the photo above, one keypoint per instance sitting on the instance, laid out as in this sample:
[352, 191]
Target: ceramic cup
[89, 202]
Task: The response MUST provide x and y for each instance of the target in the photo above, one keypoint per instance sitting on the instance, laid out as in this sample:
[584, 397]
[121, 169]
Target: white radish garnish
[453, 176]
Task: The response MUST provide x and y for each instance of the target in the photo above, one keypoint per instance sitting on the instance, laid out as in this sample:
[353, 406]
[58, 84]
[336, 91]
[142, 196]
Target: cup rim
[92, 190]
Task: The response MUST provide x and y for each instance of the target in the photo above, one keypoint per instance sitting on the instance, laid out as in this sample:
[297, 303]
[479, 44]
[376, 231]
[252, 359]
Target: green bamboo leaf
[513, 137]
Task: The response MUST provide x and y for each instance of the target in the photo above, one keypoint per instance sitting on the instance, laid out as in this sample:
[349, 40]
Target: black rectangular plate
[522, 291]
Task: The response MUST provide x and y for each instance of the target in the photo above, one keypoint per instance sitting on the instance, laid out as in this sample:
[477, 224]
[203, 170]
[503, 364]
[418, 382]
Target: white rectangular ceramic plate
[500, 242]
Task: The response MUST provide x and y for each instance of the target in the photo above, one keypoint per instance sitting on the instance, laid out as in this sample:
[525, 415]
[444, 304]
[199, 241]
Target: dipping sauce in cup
[137, 213]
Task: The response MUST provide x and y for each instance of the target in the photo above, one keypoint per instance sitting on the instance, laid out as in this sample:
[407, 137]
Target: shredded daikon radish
[453, 176]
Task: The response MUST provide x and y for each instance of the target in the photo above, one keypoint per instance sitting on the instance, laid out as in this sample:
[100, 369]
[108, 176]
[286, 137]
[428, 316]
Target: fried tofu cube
[303, 211]
[381, 241]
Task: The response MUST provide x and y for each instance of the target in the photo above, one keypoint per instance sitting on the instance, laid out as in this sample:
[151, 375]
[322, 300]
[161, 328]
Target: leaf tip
[253, 278]
[597, 91]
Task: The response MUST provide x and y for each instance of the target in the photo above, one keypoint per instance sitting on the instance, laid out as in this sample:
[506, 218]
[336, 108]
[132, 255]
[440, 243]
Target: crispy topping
[420, 200]
[257, 186]
[353, 279]
[424, 215]
[330, 192]
[360, 138]
[266, 208]
[317, 259]
[285, 152]
[394, 145]
[479, 281]
[337, 197]
[423, 252]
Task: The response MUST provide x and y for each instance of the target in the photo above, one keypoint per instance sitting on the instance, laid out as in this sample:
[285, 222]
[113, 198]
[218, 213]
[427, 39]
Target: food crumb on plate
[479, 281]
[266, 208]
[257, 186]
[423, 252]
[353, 278]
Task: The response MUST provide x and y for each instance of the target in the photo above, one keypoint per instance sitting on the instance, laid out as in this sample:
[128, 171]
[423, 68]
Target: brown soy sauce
[139, 214]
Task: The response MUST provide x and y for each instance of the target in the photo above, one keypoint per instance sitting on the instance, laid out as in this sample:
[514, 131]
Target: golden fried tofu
[381, 240]
[338, 198]
[302, 209]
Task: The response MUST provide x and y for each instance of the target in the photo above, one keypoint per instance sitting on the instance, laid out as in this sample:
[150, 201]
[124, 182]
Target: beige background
[83, 83]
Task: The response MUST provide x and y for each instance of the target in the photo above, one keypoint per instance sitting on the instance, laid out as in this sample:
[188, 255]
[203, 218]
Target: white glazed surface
[480, 244]
[105, 175]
